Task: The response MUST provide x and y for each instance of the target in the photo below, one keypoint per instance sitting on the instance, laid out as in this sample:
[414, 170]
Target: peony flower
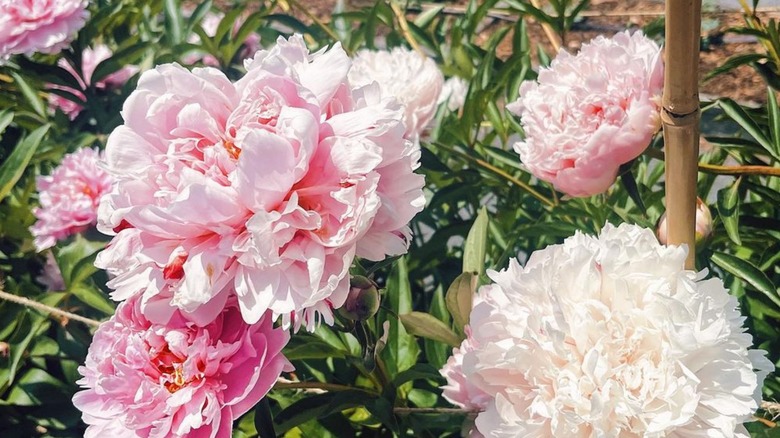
[51, 276]
[590, 113]
[610, 336]
[453, 93]
[413, 79]
[45, 26]
[69, 197]
[460, 391]
[90, 58]
[266, 188]
[177, 380]
[703, 226]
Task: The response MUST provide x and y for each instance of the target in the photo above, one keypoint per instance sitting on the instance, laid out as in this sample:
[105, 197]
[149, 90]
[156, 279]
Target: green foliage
[371, 378]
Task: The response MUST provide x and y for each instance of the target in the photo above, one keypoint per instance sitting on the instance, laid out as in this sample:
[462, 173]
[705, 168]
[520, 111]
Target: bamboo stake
[680, 117]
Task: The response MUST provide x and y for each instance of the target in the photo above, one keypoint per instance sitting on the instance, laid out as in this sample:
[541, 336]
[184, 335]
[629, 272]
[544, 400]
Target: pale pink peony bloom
[610, 336]
[453, 93]
[413, 79]
[460, 391]
[90, 58]
[268, 187]
[69, 197]
[176, 380]
[46, 26]
[590, 113]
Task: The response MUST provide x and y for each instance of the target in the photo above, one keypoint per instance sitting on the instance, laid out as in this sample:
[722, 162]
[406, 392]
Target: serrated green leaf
[748, 272]
[13, 168]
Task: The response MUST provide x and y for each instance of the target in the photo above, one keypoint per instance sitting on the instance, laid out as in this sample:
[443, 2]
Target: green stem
[332, 387]
[487, 166]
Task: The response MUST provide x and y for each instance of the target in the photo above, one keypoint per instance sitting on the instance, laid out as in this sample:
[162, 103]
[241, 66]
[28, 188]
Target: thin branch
[332, 387]
[407, 411]
[401, 18]
[739, 170]
[499, 172]
[555, 39]
[314, 19]
[43, 308]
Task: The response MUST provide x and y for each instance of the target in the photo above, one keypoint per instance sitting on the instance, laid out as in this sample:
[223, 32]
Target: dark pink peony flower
[69, 197]
[176, 380]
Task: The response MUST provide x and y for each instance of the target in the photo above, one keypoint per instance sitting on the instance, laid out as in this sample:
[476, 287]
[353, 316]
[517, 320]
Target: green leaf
[426, 326]
[748, 272]
[36, 387]
[401, 350]
[739, 115]
[426, 17]
[75, 260]
[264, 422]
[629, 183]
[318, 406]
[6, 117]
[30, 95]
[460, 299]
[734, 62]
[127, 56]
[14, 166]
[773, 114]
[728, 209]
[475, 247]
[309, 347]
[173, 21]
[93, 297]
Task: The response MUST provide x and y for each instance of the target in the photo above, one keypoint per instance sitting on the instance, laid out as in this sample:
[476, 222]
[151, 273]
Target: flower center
[171, 369]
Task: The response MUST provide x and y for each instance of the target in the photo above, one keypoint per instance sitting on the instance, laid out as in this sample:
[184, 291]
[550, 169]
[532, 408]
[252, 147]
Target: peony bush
[265, 219]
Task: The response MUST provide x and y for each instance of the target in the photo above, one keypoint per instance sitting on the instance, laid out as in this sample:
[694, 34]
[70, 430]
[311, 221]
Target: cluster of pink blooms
[69, 197]
[177, 380]
[45, 26]
[90, 58]
[235, 204]
[588, 114]
[300, 173]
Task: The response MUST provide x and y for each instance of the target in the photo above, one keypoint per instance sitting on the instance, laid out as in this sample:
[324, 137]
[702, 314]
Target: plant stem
[487, 166]
[314, 19]
[332, 387]
[401, 18]
[680, 117]
[43, 308]
[407, 411]
[723, 170]
[555, 40]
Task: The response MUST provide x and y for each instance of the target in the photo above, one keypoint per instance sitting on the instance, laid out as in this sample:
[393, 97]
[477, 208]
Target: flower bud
[703, 224]
[362, 301]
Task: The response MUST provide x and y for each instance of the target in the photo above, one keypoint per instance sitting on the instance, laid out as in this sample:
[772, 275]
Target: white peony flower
[413, 79]
[609, 336]
[453, 93]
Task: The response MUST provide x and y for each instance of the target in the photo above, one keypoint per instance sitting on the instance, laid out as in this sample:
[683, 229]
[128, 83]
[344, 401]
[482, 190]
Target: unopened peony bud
[362, 301]
[703, 224]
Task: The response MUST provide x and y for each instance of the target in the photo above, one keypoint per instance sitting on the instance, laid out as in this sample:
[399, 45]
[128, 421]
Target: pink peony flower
[69, 197]
[51, 276]
[453, 93]
[268, 187]
[176, 380]
[590, 113]
[413, 79]
[610, 336]
[459, 391]
[90, 58]
[46, 26]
